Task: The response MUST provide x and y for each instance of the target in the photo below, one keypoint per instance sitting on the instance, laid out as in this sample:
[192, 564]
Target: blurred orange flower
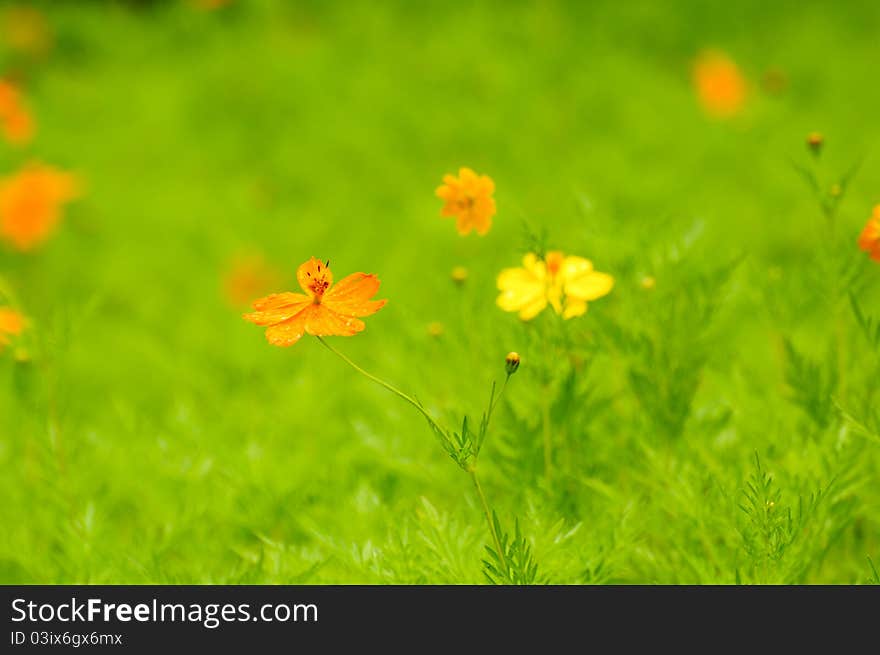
[721, 87]
[324, 309]
[31, 202]
[869, 240]
[12, 324]
[250, 275]
[16, 123]
[468, 198]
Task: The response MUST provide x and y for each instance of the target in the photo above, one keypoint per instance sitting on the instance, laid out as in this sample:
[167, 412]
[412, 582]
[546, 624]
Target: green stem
[493, 401]
[488, 515]
[397, 392]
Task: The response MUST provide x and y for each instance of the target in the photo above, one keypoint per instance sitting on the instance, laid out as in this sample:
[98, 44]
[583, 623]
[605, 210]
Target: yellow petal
[574, 307]
[573, 267]
[533, 308]
[512, 278]
[589, 286]
[516, 298]
[535, 266]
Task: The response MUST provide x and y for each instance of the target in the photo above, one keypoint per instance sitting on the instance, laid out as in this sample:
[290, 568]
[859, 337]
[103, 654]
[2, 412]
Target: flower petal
[277, 307]
[589, 286]
[351, 295]
[467, 176]
[533, 308]
[535, 266]
[324, 322]
[574, 307]
[287, 332]
[573, 267]
[512, 278]
[519, 290]
[487, 185]
[464, 223]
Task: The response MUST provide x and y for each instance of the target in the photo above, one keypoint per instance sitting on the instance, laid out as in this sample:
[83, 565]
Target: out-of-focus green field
[155, 437]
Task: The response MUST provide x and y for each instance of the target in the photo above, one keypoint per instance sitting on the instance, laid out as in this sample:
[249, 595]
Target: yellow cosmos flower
[566, 283]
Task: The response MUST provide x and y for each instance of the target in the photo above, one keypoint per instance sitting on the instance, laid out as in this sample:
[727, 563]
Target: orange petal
[467, 175]
[324, 322]
[445, 191]
[351, 295]
[287, 332]
[487, 184]
[277, 308]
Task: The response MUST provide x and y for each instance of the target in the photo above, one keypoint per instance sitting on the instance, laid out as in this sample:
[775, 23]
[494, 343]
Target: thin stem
[488, 515]
[493, 401]
[397, 392]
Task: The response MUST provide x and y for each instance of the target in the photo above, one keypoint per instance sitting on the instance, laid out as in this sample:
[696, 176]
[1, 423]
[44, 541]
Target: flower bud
[511, 363]
[459, 275]
[815, 141]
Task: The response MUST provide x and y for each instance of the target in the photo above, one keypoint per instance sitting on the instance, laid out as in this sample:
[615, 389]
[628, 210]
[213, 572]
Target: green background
[154, 436]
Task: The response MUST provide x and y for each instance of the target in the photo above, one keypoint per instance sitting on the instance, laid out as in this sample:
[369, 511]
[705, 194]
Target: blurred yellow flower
[26, 30]
[12, 324]
[721, 87]
[31, 202]
[566, 283]
[15, 121]
[869, 240]
[468, 198]
[435, 329]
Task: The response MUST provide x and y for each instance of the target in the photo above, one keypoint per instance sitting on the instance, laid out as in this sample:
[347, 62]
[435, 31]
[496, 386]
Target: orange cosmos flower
[31, 202]
[324, 309]
[468, 198]
[16, 123]
[869, 240]
[721, 87]
[12, 324]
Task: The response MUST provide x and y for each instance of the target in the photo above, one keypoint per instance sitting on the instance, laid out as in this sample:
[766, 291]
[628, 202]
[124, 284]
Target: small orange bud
[511, 363]
[435, 329]
[815, 141]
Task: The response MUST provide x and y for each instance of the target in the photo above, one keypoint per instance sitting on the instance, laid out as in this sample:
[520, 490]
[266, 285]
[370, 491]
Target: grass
[720, 427]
